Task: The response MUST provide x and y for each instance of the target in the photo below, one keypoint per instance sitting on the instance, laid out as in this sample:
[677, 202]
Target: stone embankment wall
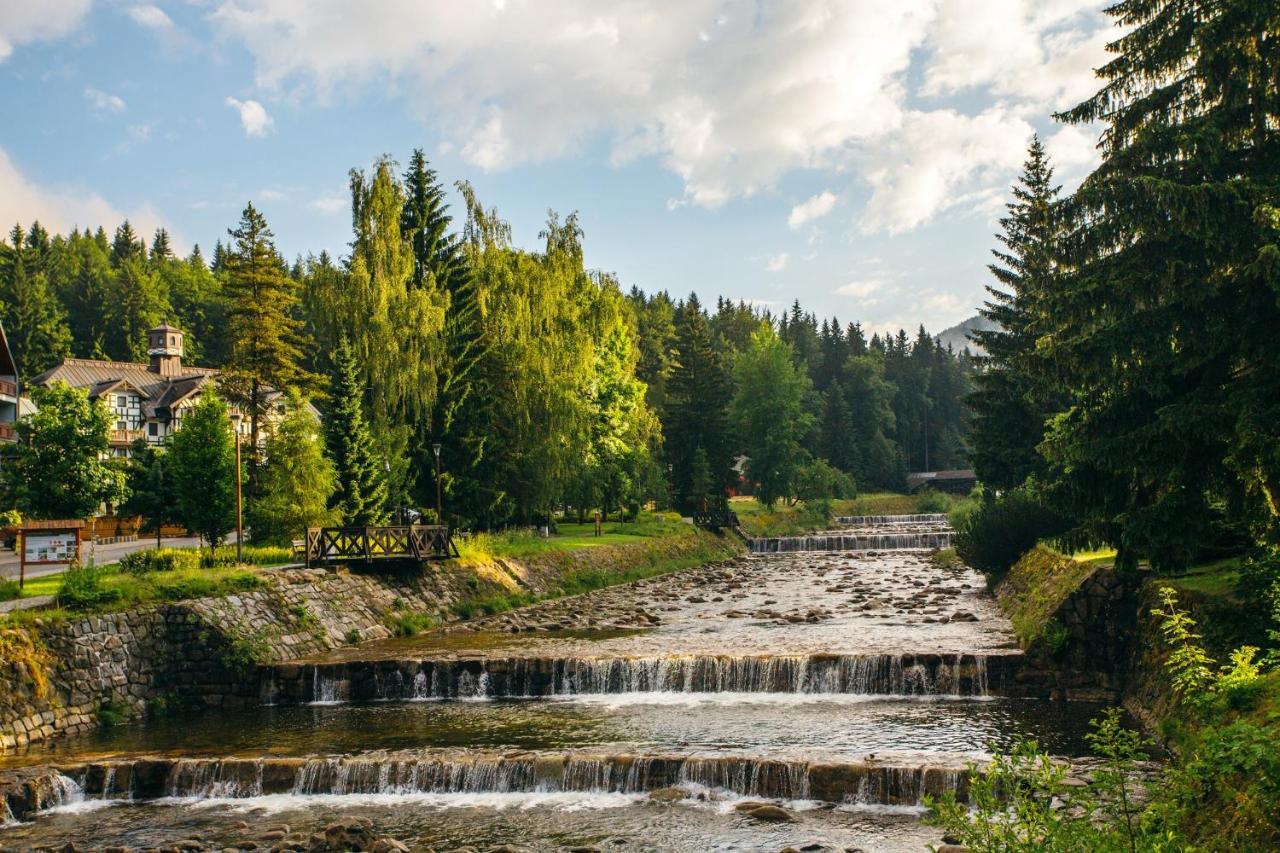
[1077, 622]
[207, 650]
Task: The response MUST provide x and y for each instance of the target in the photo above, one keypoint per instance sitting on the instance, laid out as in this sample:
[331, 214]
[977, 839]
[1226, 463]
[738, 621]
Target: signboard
[59, 547]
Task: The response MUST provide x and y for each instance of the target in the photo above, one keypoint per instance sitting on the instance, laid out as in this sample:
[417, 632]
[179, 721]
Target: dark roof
[7, 365]
[103, 377]
[165, 327]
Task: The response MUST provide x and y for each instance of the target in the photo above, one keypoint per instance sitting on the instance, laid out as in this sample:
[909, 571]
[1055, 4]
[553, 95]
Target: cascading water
[519, 677]
[919, 541]
[933, 518]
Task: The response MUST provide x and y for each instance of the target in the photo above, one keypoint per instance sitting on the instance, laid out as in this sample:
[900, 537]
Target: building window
[122, 401]
[121, 425]
[153, 429]
[173, 340]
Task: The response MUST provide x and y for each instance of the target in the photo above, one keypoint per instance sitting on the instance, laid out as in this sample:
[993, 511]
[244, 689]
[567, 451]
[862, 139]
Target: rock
[388, 845]
[668, 795]
[771, 814]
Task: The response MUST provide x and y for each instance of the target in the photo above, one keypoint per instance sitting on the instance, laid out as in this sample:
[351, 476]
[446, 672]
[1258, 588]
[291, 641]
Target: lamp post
[439, 502]
[235, 431]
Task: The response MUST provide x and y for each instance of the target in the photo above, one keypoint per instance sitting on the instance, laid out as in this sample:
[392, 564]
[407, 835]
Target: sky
[853, 154]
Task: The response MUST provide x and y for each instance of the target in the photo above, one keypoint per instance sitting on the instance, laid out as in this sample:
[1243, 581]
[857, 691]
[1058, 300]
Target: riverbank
[63, 672]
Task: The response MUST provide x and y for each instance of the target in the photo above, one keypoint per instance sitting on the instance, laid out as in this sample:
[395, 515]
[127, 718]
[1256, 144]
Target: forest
[548, 387]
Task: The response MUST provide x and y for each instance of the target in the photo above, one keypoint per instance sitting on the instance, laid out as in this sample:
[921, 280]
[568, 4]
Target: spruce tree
[1165, 327]
[34, 320]
[697, 407]
[265, 351]
[361, 494]
[1009, 406]
[297, 479]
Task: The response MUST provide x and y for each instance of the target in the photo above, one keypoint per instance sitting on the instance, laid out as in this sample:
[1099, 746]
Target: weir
[903, 780]
[919, 541]
[514, 677]
[932, 518]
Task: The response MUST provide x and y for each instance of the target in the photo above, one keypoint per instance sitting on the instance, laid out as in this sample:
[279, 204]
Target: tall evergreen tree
[261, 325]
[34, 320]
[361, 494]
[297, 479]
[1010, 407]
[699, 392]
[1165, 327]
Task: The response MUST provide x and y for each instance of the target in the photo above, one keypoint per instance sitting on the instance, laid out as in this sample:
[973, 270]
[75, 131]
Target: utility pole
[439, 502]
[239, 513]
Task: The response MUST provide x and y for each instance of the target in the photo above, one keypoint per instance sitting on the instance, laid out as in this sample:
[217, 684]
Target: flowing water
[843, 683]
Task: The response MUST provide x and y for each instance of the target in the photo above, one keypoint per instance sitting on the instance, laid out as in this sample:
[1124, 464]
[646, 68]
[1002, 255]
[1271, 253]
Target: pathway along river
[839, 677]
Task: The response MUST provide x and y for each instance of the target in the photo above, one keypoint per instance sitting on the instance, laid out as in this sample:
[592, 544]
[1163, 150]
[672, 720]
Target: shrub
[82, 589]
[992, 534]
[159, 560]
[929, 500]
[410, 624]
[111, 714]
[9, 590]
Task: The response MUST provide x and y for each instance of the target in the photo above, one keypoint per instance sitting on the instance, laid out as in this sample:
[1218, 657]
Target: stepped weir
[841, 676]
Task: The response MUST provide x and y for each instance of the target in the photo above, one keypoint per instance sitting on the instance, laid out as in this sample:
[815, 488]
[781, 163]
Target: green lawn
[571, 537]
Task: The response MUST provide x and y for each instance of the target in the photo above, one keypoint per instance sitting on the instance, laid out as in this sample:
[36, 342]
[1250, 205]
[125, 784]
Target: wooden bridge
[717, 519]
[400, 542]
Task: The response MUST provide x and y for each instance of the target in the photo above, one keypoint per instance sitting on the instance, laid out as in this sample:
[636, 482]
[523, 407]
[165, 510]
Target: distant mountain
[958, 336]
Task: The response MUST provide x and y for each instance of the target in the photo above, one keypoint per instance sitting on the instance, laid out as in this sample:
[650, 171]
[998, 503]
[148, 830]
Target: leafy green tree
[203, 465]
[60, 467]
[261, 325]
[297, 479]
[1009, 404]
[768, 413]
[152, 489]
[1164, 330]
[360, 497]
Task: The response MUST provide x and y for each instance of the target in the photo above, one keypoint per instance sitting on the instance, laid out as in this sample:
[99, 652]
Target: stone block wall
[206, 650]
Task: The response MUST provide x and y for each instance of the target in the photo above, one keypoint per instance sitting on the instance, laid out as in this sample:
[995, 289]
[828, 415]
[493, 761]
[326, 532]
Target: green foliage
[409, 624]
[202, 461]
[296, 481]
[152, 488]
[9, 590]
[360, 496]
[83, 589]
[58, 468]
[931, 500]
[112, 714]
[352, 637]
[768, 415]
[159, 560]
[245, 649]
[992, 534]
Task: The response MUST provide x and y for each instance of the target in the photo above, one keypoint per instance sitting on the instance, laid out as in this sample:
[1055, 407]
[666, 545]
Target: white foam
[275, 803]
[680, 699]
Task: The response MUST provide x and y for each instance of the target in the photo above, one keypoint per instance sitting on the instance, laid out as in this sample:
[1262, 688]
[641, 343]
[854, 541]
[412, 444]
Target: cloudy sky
[854, 154]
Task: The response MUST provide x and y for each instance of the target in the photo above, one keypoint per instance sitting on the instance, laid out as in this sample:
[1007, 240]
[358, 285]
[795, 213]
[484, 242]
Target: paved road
[102, 554]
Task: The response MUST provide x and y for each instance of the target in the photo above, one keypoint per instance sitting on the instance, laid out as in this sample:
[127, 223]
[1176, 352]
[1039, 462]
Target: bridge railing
[717, 519]
[408, 541]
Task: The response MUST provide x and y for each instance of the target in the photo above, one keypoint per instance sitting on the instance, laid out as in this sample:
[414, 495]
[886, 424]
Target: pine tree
[34, 320]
[361, 494]
[262, 328]
[837, 444]
[1165, 327]
[697, 409]
[1009, 406]
[127, 245]
[160, 249]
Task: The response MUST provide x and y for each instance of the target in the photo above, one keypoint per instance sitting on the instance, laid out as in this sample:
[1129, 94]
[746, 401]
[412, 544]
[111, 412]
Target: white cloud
[726, 96]
[815, 207]
[60, 209]
[253, 116]
[777, 263]
[23, 21]
[331, 204]
[1041, 51]
[272, 195]
[936, 160]
[104, 100]
[1073, 151]
[151, 17]
[860, 289]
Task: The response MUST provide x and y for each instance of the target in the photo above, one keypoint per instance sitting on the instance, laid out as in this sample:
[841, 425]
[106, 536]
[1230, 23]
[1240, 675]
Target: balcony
[8, 390]
[125, 437]
[8, 433]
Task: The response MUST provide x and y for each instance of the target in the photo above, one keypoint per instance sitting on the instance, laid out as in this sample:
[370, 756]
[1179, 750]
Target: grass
[116, 590]
[1036, 587]
[780, 519]
[486, 547]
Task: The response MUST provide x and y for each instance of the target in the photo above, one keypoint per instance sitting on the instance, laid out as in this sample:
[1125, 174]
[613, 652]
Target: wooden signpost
[44, 543]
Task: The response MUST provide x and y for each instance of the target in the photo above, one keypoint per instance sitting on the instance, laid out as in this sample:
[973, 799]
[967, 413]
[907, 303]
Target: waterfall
[938, 518]
[922, 541]
[519, 677]
[867, 782]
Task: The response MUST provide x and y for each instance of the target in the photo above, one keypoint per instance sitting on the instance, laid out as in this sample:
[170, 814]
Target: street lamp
[236, 418]
[439, 503]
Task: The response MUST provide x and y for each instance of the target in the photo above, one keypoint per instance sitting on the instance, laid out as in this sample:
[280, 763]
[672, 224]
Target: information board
[60, 547]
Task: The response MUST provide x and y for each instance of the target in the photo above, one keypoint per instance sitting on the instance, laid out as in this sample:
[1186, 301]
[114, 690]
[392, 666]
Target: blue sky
[852, 154]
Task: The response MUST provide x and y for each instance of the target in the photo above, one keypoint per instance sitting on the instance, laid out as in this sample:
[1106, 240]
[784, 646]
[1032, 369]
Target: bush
[9, 590]
[992, 534]
[929, 500]
[160, 560]
[82, 589]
